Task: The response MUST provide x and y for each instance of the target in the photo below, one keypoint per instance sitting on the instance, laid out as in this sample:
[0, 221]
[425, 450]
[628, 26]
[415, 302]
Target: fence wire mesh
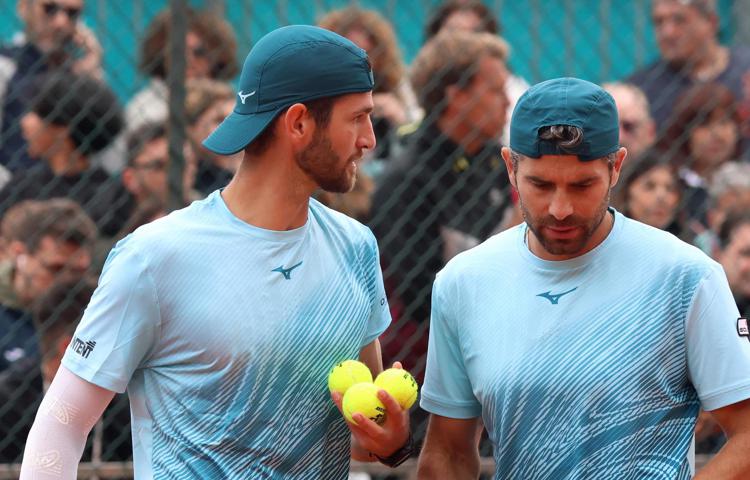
[105, 105]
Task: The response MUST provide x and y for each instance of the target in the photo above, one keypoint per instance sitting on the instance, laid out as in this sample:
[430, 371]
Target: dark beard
[561, 247]
[321, 164]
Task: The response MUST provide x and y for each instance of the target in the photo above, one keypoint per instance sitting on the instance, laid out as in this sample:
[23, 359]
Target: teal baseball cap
[565, 101]
[289, 65]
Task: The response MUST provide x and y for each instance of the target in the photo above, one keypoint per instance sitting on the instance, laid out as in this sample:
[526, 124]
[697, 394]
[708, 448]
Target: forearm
[56, 441]
[732, 461]
[445, 464]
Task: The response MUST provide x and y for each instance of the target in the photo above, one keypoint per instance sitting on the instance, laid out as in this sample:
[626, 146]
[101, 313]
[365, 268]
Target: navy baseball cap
[290, 65]
[565, 101]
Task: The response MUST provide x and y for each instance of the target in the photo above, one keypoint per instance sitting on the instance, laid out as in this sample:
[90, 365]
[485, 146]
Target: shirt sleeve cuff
[451, 410]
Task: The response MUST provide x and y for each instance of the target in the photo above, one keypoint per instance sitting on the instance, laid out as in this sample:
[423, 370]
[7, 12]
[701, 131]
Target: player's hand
[381, 440]
[90, 62]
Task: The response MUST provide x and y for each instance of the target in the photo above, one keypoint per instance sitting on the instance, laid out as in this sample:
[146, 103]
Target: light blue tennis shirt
[589, 368]
[224, 333]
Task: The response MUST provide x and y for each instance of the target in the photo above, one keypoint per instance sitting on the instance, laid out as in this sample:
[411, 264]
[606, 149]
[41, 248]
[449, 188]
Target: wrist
[399, 456]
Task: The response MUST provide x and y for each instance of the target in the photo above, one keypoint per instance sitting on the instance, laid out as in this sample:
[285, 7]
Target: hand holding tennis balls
[378, 423]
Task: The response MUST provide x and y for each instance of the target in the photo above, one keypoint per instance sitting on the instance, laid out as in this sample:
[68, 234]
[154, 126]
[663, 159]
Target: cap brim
[237, 131]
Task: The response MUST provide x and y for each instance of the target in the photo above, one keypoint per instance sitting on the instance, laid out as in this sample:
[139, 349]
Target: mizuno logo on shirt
[244, 97]
[287, 272]
[554, 298]
[83, 348]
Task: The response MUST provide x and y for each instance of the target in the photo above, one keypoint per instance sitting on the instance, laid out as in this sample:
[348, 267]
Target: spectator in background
[475, 16]
[395, 104]
[651, 193]
[734, 256]
[729, 191]
[702, 135]
[44, 242]
[145, 188]
[637, 128]
[690, 54]
[54, 39]
[71, 118]
[207, 103]
[211, 51]
[22, 386]
[449, 189]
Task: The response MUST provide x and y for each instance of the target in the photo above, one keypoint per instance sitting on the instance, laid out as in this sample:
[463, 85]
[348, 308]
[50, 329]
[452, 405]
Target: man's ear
[22, 7]
[298, 125]
[617, 168]
[129, 181]
[507, 158]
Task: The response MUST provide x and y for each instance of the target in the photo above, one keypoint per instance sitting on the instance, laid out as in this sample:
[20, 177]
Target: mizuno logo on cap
[243, 97]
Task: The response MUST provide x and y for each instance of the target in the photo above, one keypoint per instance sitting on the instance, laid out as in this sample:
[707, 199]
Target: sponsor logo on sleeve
[82, 348]
[742, 328]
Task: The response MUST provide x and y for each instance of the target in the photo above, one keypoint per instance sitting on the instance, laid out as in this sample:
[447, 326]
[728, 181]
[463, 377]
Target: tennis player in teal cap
[583, 341]
[223, 319]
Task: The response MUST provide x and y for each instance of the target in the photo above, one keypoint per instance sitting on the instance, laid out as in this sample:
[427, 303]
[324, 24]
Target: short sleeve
[380, 314]
[120, 325]
[447, 388]
[718, 356]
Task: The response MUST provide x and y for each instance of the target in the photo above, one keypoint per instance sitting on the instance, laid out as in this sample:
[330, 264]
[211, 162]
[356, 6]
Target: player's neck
[264, 194]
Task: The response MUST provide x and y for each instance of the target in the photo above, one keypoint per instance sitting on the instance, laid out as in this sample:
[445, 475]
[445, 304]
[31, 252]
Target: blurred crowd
[79, 171]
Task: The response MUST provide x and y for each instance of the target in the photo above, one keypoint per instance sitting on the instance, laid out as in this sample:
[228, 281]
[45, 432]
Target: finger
[365, 426]
[397, 365]
[392, 407]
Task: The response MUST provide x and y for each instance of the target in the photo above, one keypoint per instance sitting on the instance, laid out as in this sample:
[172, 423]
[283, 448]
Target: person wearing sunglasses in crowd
[54, 38]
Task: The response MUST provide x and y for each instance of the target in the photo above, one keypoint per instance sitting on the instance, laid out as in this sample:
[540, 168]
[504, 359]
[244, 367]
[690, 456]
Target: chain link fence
[105, 103]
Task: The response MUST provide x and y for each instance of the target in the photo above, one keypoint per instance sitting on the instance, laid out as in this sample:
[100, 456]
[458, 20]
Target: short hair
[201, 94]
[137, 140]
[385, 56]
[85, 106]
[733, 222]
[729, 177]
[706, 7]
[451, 58]
[60, 218]
[446, 9]
[697, 106]
[220, 42]
[320, 110]
[57, 312]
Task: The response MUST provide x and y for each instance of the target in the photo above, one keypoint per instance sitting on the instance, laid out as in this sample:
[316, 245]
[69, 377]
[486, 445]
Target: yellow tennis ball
[400, 385]
[345, 374]
[363, 398]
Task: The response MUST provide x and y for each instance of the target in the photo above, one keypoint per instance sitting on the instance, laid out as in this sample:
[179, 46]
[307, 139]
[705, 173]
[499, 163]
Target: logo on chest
[554, 298]
[287, 272]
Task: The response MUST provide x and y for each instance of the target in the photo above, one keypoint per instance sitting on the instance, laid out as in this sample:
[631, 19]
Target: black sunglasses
[51, 9]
